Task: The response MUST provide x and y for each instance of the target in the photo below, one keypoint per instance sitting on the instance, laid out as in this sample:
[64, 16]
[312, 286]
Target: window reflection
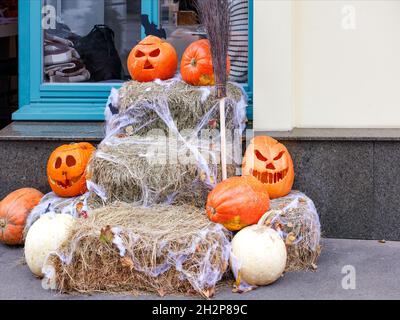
[180, 20]
[91, 40]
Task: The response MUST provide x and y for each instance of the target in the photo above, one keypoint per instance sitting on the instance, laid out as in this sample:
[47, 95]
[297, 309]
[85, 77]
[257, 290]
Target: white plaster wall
[327, 64]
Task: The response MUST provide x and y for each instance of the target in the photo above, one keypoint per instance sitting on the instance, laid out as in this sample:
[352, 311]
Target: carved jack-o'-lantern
[270, 162]
[153, 58]
[66, 169]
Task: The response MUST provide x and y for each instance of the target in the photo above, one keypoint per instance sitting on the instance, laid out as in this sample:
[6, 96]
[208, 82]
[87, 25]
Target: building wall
[326, 64]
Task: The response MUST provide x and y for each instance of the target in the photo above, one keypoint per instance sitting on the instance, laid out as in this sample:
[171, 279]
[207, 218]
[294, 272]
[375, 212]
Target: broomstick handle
[223, 138]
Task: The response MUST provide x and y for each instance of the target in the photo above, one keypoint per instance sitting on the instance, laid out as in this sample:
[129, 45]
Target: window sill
[53, 131]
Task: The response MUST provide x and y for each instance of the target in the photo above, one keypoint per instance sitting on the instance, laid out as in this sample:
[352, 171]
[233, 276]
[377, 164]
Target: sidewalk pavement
[376, 265]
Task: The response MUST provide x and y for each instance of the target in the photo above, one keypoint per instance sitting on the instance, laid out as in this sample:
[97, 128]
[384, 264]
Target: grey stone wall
[23, 164]
[355, 185]
[353, 175]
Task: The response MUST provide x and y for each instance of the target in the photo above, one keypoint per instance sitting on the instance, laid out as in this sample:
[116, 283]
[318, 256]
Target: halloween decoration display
[197, 66]
[215, 16]
[66, 169]
[237, 202]
[125, 169]
[296, 219]
[153, 58]
[143, 105]
[44, 237]
[258, 256]
[169, 165]
[76, 207]
[125, 248]
[14, 210]
[270, 162]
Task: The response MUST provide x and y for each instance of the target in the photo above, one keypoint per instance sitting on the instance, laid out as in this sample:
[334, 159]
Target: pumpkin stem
[3, 223]
[193, 62]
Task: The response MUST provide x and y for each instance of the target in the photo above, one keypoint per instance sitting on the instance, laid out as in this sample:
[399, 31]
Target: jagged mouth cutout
[68, 183]
[70, 161]
[267, 176]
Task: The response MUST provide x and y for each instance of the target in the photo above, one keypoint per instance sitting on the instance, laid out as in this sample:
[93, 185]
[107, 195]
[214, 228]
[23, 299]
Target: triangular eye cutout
[260, 156]
[139, 54]
[155, 53]
[280, 154]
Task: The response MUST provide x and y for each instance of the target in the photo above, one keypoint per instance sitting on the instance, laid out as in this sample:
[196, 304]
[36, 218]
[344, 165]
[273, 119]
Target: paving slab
[347, 269]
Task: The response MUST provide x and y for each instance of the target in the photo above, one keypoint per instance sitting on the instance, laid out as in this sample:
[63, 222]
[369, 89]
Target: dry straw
[127, 171]
[296, 218]
[162, 250]
[188, 106]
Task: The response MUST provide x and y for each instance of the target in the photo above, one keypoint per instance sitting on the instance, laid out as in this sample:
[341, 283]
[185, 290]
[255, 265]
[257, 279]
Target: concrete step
[351, 174]
[347, 269]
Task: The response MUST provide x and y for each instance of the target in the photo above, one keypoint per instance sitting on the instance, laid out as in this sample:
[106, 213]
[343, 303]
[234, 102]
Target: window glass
[180, 20]
[89, 40]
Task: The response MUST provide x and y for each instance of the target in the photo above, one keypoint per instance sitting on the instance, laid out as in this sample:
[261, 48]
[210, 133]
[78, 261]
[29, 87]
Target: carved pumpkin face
[153, 58]
[270, 162]
[66, 169]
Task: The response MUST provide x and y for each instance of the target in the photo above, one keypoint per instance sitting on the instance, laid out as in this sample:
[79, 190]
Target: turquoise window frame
[39, 101]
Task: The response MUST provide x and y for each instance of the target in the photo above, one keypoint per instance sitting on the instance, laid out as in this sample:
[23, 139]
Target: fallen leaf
[240, 290]
[290, 238]
[127, 263]
[314, 266]
[161, 292]
[191, 291]
[203, 177]
[382, 241]
[83, 214]
[106, 235]
[209, 293]
[129, 130]
[79, 207]
[212, 123]
[238, 279]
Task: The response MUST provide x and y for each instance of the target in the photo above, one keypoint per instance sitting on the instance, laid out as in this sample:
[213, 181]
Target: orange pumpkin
[66, 169]
[196, 65]
[14, 209]
[237, 202]
[270, 162]
[153, 58]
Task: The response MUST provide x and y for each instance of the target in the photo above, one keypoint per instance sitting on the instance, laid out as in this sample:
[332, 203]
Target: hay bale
[296, 219]
[123, 248]
[140, 105]
[138, 169]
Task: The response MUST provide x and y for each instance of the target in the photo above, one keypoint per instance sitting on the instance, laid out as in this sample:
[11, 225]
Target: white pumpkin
[259, 254]
[44, 237]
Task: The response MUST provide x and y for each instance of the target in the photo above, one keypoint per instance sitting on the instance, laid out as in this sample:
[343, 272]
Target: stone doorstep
[53, 131]
[351, 174]
[94, 131]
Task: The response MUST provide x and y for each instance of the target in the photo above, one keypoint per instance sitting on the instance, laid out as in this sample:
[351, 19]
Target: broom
[215, 17]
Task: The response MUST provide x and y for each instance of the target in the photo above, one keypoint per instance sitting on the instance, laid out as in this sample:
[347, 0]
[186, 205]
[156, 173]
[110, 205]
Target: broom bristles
[215, 16]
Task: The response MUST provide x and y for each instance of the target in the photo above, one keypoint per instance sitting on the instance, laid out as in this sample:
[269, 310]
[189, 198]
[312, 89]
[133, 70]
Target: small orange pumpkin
[153, 58]
[196, 65]
[270, 162]
[237, 202]
[66, 169]
[14, 209]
